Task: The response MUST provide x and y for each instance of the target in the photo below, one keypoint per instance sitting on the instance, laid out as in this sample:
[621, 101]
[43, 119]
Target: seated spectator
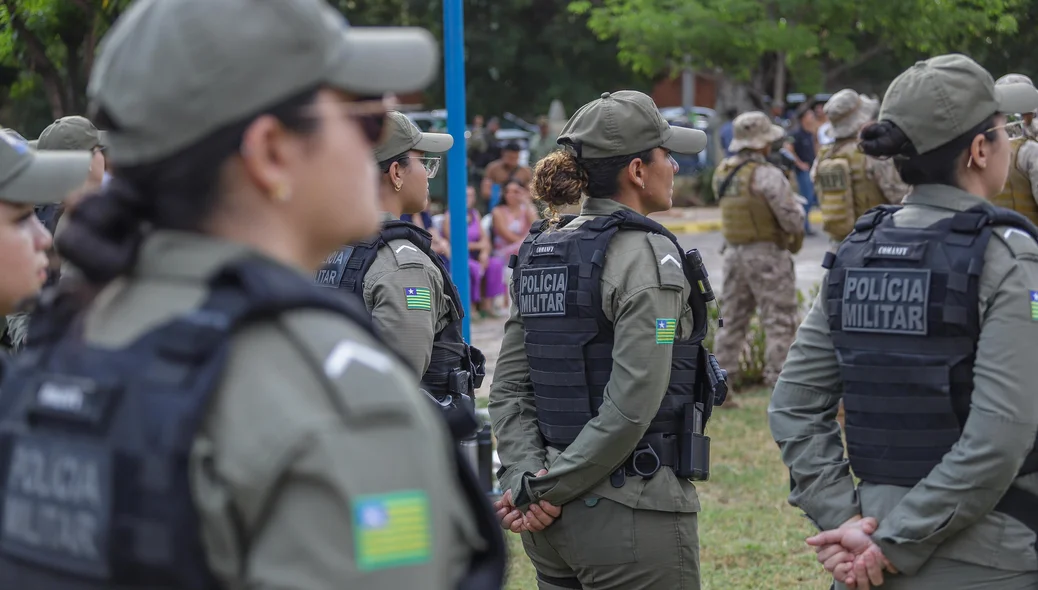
[506, 168]
[513, 218]
[485, 270]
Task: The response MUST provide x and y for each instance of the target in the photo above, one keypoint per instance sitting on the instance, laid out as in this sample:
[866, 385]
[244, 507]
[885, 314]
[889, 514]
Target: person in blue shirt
[804, 149]
[726, 132]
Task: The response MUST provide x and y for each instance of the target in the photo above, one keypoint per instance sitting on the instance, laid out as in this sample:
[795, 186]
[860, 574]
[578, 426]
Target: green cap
[623, 123]
[940, 99]
[38, 178]
[71, 133]
[402, 135]
[171, 72]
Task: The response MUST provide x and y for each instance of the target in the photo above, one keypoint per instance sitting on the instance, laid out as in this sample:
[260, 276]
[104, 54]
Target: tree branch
[38, 56]
[869, 54]
[84, 5]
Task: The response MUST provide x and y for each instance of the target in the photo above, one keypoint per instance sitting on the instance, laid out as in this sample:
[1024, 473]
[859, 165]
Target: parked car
[701, 118]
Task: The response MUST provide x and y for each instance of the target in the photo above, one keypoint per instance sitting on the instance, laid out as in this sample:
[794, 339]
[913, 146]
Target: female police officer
[925, 327]
[153, 447]
[28, 179]
[601, 379]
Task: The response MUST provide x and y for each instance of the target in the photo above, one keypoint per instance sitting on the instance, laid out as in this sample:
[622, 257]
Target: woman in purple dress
[485, 270]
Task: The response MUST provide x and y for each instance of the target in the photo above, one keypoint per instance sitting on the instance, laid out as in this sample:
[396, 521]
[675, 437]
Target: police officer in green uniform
[602, 387]
[405, 287]
[924, 327]
[199, 415]
[27, 180]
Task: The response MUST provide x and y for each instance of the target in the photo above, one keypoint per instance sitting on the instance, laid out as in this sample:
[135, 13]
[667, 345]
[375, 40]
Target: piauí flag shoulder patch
[418, 298]
[392, 530]
[665, 329]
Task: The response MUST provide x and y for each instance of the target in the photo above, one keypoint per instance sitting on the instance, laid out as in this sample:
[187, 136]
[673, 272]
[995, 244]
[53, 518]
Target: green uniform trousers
[598, 544]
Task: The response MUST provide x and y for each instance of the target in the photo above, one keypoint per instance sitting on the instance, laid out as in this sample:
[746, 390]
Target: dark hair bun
[885, 139]
[104, 232]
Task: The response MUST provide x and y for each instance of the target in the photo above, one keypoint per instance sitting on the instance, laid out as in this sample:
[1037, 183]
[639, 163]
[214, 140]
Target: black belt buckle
[645, 462]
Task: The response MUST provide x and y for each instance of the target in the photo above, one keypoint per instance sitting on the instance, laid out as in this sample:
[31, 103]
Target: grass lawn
[751, 538]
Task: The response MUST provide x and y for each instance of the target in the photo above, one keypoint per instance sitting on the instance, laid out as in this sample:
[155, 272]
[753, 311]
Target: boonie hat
[171, 72]
[71, 133]
[402, 135]
[940, 99]
[848, 111]
[754, 131]
[623, 123]
[30, 177]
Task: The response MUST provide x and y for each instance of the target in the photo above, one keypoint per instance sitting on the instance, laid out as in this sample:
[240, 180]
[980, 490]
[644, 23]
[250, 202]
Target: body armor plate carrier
[904, 319]
[456, 369]
[569, 344]
[94, 443]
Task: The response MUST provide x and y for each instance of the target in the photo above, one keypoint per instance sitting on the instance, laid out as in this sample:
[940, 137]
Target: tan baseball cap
[171, 72]
[402, 135]
[33, 177]
[71, 133]
[624, 123]
[848, 111]
[754, 131]
[940, 99]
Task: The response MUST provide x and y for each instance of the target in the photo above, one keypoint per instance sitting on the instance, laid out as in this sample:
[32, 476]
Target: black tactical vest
[904, 319]
[569, 341]
[94, 443]
[455, 367]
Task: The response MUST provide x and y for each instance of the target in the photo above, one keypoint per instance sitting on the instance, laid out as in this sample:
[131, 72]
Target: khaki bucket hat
[754, 131]
[849, 111]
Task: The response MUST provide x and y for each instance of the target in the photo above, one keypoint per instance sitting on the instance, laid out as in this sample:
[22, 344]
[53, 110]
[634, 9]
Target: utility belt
[687, 452]
[455, 394]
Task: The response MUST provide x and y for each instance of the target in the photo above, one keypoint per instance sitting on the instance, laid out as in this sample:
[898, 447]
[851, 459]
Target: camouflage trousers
[757, 278]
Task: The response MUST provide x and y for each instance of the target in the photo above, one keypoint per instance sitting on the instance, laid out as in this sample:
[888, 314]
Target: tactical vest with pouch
[746, 217]
[569, 344]
[1017, 194]
[94, 443]
[844, 190]
[904, 318]
[455, 368]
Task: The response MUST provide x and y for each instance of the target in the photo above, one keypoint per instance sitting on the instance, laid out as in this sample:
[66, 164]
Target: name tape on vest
[885, 301]
[57, 505]
[885, 251]
[542, 291]
[330, 273]
[543, 250]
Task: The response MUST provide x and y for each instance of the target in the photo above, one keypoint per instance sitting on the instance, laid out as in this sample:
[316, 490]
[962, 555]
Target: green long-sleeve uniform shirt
[636, 290]
[949, 513]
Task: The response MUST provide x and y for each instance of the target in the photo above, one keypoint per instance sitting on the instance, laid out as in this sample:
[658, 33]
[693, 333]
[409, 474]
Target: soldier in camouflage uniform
[763, 224]
[1022, 182]
[848, 182]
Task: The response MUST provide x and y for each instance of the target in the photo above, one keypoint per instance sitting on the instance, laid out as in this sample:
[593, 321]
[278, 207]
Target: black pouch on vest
[694, 449]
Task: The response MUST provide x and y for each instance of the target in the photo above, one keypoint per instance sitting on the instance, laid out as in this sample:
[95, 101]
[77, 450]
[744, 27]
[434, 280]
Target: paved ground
[486, 334]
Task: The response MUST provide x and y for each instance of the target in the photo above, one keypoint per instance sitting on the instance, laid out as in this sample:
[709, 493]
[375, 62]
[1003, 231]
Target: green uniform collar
[386, 216]
[185, 256]
[602, 207]
[942, 196]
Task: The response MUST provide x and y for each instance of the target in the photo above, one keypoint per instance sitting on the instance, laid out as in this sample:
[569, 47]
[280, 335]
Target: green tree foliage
[47, 50]
[755, 41]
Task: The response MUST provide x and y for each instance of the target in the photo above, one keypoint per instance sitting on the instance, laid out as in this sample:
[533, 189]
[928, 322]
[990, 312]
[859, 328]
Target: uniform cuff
[907, 558]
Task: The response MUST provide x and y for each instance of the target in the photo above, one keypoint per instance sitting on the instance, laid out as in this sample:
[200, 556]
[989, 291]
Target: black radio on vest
[569, 344]
[456, 369]
[903, 306]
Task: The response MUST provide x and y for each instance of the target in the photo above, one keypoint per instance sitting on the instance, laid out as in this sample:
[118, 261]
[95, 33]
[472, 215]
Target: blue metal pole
[457, 175]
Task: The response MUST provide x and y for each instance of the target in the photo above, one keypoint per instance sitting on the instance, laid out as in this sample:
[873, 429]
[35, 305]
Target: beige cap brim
[49, 178]
[683, 140]
[377, 60]
[1016, 98]
[434, 143]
